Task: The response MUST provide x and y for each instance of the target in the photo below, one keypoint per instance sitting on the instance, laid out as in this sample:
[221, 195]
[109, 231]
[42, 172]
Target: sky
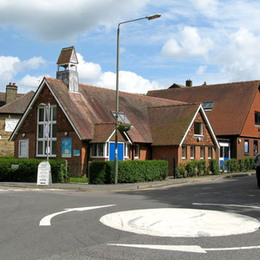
[212, 41]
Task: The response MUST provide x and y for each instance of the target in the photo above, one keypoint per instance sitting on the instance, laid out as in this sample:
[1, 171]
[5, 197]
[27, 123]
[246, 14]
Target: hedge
[25, 170]
[197, 168]
[128, 171]
[240, 165]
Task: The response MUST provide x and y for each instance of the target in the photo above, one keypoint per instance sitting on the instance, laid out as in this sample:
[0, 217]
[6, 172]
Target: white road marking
[226, 205]
[46, 221]
[191, 249]
[178, 222]
[183, 248]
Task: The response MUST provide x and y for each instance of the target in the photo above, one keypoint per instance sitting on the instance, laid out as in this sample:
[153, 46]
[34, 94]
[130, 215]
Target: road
[218, 220]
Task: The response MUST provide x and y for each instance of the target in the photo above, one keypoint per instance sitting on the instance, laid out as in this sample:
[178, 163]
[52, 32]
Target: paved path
[126, 186]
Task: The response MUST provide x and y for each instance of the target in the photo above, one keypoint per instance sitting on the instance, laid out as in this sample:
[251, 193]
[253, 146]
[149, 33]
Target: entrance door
[120, 148]
[224, 154]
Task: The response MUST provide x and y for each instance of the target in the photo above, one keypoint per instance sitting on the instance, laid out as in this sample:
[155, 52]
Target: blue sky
[213, 41]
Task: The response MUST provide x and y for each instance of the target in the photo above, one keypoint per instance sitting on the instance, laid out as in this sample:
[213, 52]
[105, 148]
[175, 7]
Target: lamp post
[117, 86]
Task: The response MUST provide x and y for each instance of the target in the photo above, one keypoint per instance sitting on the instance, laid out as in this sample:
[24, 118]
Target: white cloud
[11, 66]
[207, 7]
[240, 60]
[201, 70]
[63, 19]
[189, 43]
[91, 73]
[29, 82]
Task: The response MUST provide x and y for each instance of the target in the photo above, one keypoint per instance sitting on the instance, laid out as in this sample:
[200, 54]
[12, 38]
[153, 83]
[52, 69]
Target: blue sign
[66, 147]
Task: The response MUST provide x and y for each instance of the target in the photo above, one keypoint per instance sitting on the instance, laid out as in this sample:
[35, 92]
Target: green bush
[232, 165]
[181, 171]
[240, 165]
[192, 168]
[213, 167]
[128, 171]
[25, 170]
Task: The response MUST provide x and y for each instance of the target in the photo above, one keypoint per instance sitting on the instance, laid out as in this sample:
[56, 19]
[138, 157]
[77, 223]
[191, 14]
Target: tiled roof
[67, 55]
[19, 105]
[232, 102]
[93, 105]
[170, 123]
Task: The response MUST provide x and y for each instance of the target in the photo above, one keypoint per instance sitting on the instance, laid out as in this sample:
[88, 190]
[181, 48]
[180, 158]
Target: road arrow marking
[183, 248]
[46, 221]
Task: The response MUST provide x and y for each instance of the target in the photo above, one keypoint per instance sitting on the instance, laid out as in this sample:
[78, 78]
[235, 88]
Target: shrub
[213, 167]
[240, 165]
[232, 165]
[25, 170]
[128, 171]
[192, 168]
[181, 171]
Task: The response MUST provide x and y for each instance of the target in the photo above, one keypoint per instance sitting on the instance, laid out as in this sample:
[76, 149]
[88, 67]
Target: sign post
[44, 174]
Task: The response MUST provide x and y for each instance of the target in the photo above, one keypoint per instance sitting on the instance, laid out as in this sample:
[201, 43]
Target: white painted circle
[167, 222]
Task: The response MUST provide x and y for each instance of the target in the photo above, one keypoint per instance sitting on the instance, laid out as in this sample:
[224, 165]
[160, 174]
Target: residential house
[81, 124]
[233, 110]
[12, 106]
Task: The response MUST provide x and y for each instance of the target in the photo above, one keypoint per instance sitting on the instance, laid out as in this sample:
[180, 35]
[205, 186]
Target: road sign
[44, 174]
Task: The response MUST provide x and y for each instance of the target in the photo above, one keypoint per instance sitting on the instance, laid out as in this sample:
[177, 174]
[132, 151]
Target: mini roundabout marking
[173, 222]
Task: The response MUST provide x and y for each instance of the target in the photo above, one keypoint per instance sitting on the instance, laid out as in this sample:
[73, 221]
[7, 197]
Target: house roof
[89, 110]
[19, 105]
[232, 102]
[169, 124]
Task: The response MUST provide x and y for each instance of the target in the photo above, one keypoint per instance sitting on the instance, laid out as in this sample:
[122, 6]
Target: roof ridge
[177, 105]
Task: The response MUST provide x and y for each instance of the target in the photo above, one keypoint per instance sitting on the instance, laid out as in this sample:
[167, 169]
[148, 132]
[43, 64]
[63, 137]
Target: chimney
[67, 69]
[188, 83]
[11, 93]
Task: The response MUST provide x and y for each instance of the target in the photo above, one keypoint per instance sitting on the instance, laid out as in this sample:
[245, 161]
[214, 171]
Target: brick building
[233, 110]
[12, 106]
[81, 124]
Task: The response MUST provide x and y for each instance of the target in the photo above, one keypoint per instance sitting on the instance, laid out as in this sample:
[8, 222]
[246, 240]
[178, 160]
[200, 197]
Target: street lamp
[117, 86]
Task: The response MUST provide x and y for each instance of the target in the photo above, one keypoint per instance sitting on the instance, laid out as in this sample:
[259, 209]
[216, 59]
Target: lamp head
[153, 16]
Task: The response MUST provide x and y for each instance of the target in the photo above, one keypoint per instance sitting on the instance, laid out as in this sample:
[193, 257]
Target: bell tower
[67, 69]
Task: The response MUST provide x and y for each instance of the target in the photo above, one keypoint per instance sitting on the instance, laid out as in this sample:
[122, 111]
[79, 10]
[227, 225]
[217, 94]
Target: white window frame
[201, 129]
[43, 138]
[126, 150]
[96, 147]
[137, 151]
[24, 154]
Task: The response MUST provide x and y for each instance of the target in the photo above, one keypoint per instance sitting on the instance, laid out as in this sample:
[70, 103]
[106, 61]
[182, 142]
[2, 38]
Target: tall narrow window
[255, 147]
[46, 131]
[192, 152]
[202, 152]
[184, 152]
[137, 151]
[210, 151]
[246, 147]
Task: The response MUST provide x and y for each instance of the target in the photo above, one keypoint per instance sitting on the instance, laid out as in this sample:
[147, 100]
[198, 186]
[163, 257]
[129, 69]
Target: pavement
[126, 186]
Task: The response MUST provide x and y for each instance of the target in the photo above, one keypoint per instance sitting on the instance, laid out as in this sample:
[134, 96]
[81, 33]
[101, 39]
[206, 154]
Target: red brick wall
[29, 128]
[250, 129]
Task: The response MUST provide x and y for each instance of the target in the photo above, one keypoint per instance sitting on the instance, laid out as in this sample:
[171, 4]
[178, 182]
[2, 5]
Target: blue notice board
[66, 147]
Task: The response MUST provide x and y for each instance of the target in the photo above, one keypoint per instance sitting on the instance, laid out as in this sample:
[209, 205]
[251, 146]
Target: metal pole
[117, 105]
[117, 86]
